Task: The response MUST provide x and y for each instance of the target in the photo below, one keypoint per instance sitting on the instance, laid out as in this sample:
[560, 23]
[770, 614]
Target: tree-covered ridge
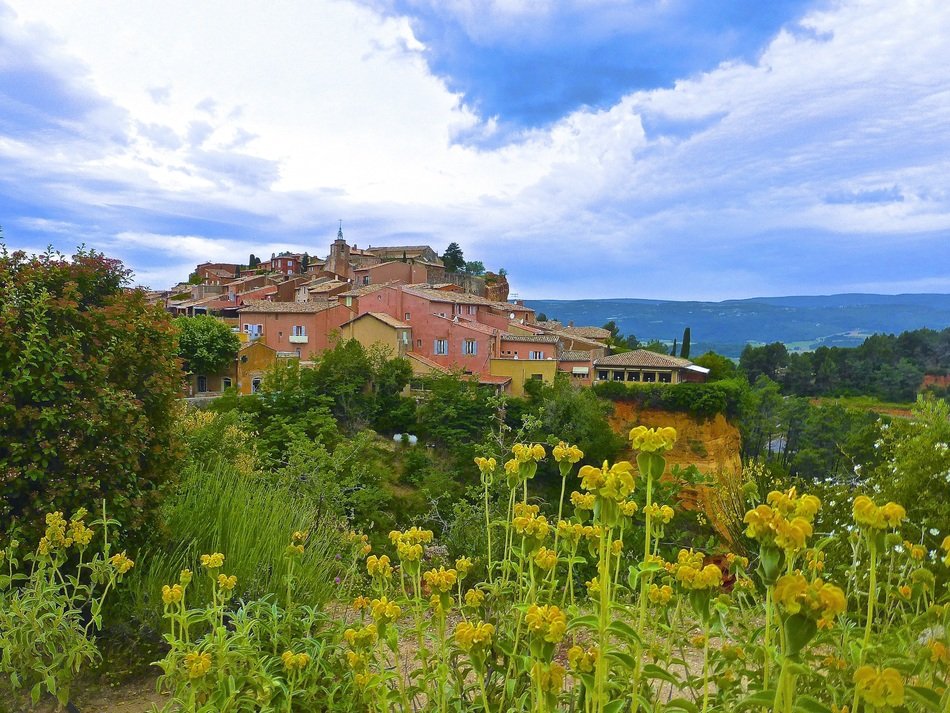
[885, 366]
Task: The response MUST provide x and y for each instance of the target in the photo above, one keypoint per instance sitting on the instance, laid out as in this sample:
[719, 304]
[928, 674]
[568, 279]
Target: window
[618, 376]
[298, 353]
[470, 347]
[300, 330]
[365, 279]
[602, 375]
[407, 317]
[633, 376]
[649, 376]
[472, 309]
[419, 343]
[536, 355]
[255, 385]
[537, 377]
[226, 383]
[441, 314]
[349, 301]
[665, 377]
[202, 384]
[442, 347]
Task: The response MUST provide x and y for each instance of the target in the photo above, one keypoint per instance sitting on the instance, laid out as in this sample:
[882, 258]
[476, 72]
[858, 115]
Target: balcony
[298, 338]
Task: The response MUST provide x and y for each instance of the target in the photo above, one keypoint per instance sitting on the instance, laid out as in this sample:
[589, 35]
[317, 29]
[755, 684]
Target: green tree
[720, 367]
[90, 379]
[305, 262]
[206, 345]
[684, 350]
[655, 345]
[453, 259]
[475, 267]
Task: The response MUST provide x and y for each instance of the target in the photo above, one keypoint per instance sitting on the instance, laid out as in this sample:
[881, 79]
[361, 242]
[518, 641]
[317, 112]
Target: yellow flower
[698, 641]
[660, 594]
[614, 482]
[462, 566]
[213, 561]
[939, 653]
[652, 440]
[295, 662]
[582, 502]
[593, 587]
[486, 465]
[197, 664]
[662, 513]
[904, 591]
[545, 559]
[818, 601]
[361, 603]
[379, 567]
[470, 636]
[550, 678]
[441, 579]
[227, 583]
[184, 577]
[122, 563]
[547, 622]
[583, 661]
[879, 688]
[173, 594]
[385, 611]
[409, 552]
[528, 523]
[691, 574]
[299, 536]
[564, 452]
[525, 452]
[78, 532]
[474, 598]
[364, 638]
[770, 526]
[945, 546]
[869, 515]
[629, 507]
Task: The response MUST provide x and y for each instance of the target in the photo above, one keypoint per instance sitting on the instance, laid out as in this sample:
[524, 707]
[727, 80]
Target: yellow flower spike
[583, 661]
[361, 639]
[512, 466]
[614, 482]
[550, 678]
[469, 637]
[121, 563]
[547, 622]
[379, 567]
[197, 664]
[582, 502]
[869, 515]
[564, 452]
[463, 565]
[441, 579]
[545, 559]
[227, 583]
[652, 440]
[172, 595]
[212, 561]
[361, 603]
[616, 547]
[486, 465]
[629, 508]
[879, 688]
[384, 611]
[295, 662]
[817, 600]
[660, 594]
[474, 598]
[184, 577]
[299, 536]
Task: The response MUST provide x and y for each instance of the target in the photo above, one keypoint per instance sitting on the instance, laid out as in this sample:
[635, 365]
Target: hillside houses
[401, 297]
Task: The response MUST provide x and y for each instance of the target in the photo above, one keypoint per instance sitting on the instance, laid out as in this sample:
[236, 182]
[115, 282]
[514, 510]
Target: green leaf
[682, 704]
[925, 696]
[807, 704]
[589, 621]
[624, 630]
[624, 659]
[653, 671]
[759, 698]
[615, 706]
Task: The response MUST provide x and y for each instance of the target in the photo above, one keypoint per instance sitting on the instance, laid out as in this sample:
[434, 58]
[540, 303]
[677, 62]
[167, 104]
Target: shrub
[90, 379]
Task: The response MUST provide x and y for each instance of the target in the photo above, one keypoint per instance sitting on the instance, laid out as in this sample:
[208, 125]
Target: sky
[667, 149]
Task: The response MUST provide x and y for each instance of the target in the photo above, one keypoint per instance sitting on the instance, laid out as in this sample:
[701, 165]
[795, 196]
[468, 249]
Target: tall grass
[248, 517]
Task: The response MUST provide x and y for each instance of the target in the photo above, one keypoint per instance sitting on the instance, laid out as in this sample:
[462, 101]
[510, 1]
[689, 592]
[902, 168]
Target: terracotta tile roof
[492, 379]
[265, 306]
[382, 317]
[550, 324]
[571, 339]
[428, 362]
[574, 355]
[534, 338]
[327, 286]
[364, 290]
[643, 358]
[469, 324]
[450, 297]
[587, 332]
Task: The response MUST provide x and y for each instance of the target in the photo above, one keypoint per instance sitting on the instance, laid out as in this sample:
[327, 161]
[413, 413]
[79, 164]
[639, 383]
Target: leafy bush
[206, 344]
[90, 379]
[50, 612]
[699, 400]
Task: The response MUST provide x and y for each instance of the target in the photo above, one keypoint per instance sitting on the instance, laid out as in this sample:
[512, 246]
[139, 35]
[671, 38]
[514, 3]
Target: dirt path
[136, 696]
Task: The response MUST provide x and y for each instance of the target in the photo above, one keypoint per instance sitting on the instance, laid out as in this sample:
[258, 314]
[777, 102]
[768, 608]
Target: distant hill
[801, 322]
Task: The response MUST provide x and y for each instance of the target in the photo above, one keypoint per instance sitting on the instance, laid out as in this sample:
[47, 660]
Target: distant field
[802, 323]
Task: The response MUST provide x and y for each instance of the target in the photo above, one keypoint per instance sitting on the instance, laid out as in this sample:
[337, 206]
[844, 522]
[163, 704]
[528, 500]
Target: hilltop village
[406, 299]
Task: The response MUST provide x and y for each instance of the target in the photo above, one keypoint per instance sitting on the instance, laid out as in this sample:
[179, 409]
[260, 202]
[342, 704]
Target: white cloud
[298, 112]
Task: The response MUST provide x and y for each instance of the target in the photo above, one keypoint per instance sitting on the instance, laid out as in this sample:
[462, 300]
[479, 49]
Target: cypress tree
[684, 350]
[673, 353]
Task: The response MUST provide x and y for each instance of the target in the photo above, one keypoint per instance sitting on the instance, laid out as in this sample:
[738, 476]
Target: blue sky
[679, 149]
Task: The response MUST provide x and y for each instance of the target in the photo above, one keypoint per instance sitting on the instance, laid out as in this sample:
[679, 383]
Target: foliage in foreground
[567, 619]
